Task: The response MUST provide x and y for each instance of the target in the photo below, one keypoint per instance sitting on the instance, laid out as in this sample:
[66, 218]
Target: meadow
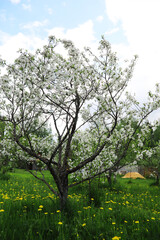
[29, 211]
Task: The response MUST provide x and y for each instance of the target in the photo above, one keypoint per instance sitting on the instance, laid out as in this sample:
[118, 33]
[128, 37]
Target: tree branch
[44, 181]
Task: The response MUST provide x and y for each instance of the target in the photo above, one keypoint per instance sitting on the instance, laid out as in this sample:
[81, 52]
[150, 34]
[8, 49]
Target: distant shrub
[4, 176]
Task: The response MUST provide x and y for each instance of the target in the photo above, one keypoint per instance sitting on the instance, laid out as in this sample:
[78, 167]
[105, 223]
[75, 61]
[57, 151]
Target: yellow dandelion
[136, 221]
[116, 238]
[125, 221]
[110, 209]
[1, 210]
[84, 224]
[60, 223]
[41, 206]
[113, 223]
[101, 208]
[153, 218]
[58, 211]
[46, 213]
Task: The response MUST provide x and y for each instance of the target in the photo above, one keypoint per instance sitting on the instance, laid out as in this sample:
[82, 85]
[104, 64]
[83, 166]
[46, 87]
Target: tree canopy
[83, 95]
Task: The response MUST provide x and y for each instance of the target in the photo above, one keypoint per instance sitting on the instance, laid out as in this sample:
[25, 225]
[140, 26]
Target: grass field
[28, 210]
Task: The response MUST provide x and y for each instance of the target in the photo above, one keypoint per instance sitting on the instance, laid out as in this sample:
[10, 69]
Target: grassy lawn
[28, 210]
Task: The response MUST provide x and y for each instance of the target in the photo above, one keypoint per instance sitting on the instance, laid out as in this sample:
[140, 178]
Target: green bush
[4, 176]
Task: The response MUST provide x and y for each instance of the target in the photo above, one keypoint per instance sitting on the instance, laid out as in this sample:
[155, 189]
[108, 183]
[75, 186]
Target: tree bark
[157, 179]
[63, 191]
[109, 177]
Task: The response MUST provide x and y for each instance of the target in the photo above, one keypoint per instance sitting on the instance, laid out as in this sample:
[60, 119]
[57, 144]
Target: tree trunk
[63, 191]
[157, 179]
[109, 177]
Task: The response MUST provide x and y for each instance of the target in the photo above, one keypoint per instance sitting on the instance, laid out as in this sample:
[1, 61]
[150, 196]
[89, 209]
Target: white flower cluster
[83, 95]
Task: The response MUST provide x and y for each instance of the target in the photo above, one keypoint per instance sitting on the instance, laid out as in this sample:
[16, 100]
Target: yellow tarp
[133, 175]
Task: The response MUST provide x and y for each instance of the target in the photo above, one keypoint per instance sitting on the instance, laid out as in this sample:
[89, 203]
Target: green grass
[128, 210]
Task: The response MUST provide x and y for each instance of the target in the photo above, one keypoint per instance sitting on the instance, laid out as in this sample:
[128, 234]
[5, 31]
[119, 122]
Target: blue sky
[66, 14]
[131, 26]
[16, 16]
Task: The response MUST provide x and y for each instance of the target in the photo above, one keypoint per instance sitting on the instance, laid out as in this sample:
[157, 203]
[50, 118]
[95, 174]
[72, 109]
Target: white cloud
[83, 35]
[114, 30]
[58, 32]
[26, 7]
[140, 23]
[15, 1]
[3, 37]
[35, 24]
[11, 44]
[99, 18]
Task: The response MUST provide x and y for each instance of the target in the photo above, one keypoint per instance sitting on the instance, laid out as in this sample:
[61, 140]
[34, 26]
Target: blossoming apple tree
[149, 156]
[82, 90]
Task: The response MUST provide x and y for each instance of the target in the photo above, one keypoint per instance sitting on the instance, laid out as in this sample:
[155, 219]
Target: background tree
[3, 159]
[107, 159]
[79, 90]
[150, 155]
